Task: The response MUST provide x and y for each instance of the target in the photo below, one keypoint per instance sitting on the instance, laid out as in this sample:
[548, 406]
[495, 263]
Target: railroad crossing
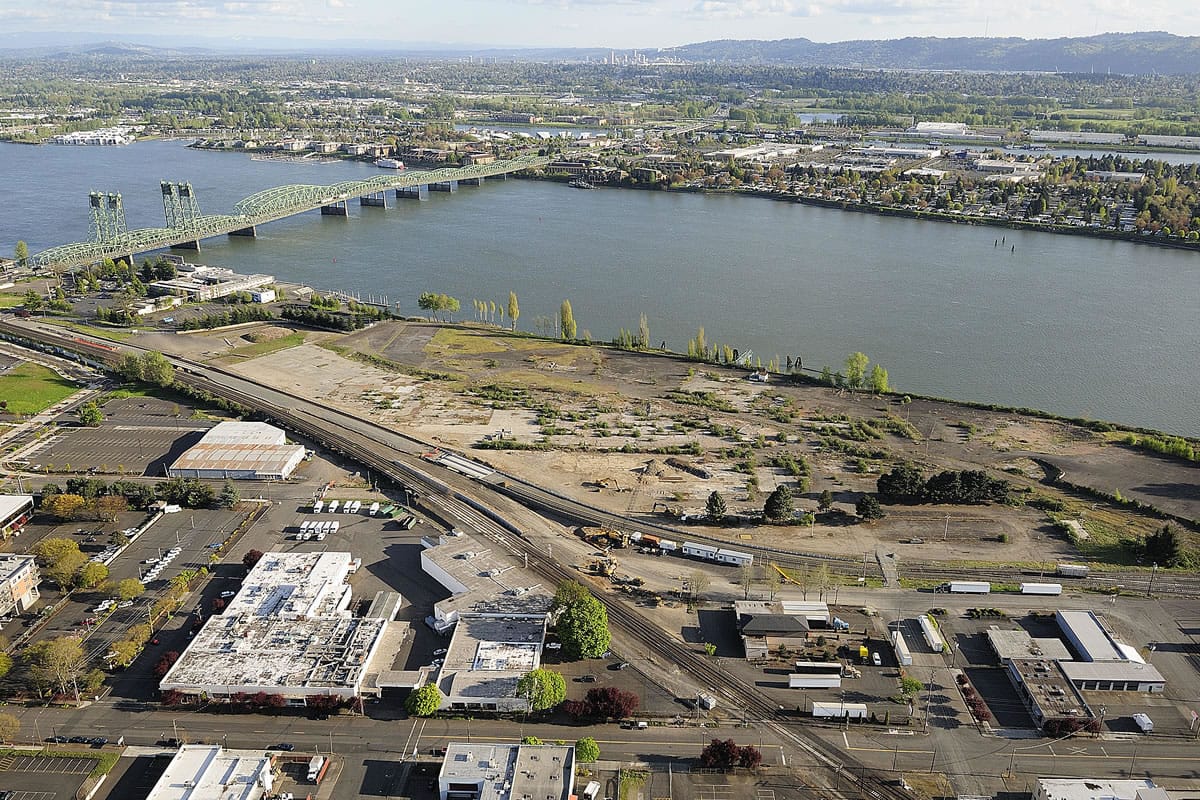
[187, 226]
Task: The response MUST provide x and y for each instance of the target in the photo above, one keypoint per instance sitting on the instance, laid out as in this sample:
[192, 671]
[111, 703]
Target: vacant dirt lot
[640, 434]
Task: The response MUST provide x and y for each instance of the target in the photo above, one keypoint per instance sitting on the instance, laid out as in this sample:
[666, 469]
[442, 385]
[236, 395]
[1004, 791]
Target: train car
[668, 545]
[1072, 570]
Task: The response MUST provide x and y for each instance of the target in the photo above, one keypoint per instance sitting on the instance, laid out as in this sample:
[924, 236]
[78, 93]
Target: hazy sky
[597, 23]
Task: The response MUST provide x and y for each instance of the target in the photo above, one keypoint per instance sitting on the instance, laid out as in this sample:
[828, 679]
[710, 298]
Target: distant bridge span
[186, 226]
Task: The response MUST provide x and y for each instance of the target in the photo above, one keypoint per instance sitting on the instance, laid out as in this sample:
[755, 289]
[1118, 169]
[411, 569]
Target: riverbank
[1133, 237]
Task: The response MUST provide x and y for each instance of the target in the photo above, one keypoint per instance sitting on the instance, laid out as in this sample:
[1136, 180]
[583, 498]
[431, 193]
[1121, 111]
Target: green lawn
[30, 388]
[256, 349]
[11, 300]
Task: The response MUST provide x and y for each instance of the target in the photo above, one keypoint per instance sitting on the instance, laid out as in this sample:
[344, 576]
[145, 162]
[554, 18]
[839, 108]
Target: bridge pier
[376, 200]
[245, 232]
[413, 193]
[337, 209]
[473, 181]
[192, 245]
[444, 186]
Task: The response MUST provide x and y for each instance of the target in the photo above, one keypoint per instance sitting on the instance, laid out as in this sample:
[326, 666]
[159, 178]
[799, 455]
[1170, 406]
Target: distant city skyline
[620, 24]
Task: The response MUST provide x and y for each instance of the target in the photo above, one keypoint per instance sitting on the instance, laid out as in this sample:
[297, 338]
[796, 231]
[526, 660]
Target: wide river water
[1068, 324]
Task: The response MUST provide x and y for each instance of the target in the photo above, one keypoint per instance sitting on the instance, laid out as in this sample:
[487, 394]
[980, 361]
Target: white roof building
[1097, 789]
[15, 511]
[507, 772]
[478, 579]
[240, 450]
[289, 632]
[488, 654]
[209, 772]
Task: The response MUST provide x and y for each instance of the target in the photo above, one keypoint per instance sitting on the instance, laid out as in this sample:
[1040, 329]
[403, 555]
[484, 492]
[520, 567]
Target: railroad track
[1164, 583]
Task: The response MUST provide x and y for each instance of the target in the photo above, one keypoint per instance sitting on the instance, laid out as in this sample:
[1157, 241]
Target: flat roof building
[488, 654]
[1088, 637]
[1010, 644]
[1046, 692]
[478, 580]
[20, 579]
[210, 772]
[1114, 676]
[15, 511]
[288, 631]
[241, 451]
[198, 282]
[1097, 789]
[507, 772]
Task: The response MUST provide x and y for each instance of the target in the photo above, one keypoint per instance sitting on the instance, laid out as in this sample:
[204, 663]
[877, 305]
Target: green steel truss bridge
[186, 226]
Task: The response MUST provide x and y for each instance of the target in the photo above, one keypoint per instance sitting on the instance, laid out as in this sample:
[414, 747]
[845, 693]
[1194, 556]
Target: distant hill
[1118, 53]
[1125, 53]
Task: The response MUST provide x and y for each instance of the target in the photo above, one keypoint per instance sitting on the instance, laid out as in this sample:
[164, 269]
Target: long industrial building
[289, 632]
[240, 451]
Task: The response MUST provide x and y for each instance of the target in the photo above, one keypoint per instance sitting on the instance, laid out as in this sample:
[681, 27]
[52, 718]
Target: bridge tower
[182, 210]
[108, 216]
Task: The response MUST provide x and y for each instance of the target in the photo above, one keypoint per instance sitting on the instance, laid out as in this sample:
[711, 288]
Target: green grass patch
[115, 334]
[11, 300]
[105, 761]
[30, 388]
[264, 348]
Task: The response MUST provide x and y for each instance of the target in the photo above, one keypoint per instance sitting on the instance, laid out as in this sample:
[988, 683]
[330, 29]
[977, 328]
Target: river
[1075, 326]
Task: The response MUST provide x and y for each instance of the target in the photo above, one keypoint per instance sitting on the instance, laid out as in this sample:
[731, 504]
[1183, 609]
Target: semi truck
[965, 587]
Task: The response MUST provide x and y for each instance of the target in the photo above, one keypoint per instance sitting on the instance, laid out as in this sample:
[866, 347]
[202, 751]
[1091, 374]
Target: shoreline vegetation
[1156, 239]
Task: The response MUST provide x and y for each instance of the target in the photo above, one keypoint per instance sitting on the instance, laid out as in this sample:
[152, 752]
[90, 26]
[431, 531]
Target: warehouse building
[1090, 640]
[15, 511]
[503, 771]
[478, 579]
[20, 578]
[210, 772]
[288, 632]
[241, 451]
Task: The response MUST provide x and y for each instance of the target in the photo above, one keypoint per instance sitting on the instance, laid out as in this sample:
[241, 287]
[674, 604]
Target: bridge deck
[266, 206]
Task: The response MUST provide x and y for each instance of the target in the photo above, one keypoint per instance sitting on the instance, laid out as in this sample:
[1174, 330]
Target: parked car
[286, 747]
[226, 595]
[57, 739]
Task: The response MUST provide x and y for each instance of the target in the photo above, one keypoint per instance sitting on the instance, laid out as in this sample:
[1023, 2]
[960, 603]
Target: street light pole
[1153, 572]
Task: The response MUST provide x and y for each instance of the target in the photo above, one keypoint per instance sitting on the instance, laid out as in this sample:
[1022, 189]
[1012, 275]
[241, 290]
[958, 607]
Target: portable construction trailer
[734, 557]
[696, 550]
[1041, 588]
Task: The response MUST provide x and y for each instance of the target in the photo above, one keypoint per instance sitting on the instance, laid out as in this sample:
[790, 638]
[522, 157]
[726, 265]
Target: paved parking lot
[66, 766]
[44, 777]
[139, 436]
